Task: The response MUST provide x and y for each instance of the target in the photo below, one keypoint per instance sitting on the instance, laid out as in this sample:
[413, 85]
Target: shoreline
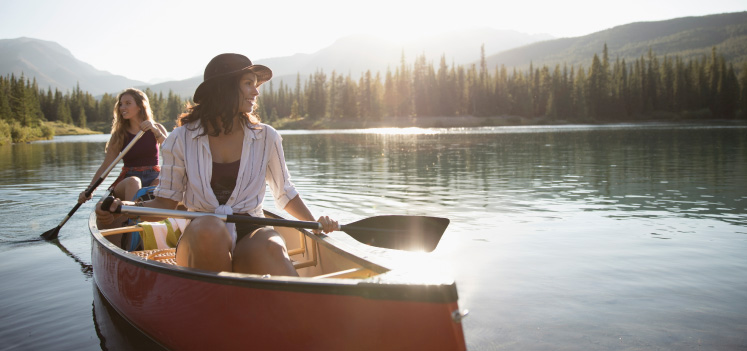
[402, 122]
[468, 122]
[412, 122]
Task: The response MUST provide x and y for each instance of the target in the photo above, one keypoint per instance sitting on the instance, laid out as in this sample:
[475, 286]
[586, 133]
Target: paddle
[52, 233]
[413, 233]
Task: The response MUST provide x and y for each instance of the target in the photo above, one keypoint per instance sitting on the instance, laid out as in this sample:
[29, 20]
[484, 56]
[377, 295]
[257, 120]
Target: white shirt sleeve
[277, 176]
[173, 173]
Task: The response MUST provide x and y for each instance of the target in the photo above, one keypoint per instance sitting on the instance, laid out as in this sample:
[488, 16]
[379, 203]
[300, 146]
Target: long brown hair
[119, 124]
[220, 104]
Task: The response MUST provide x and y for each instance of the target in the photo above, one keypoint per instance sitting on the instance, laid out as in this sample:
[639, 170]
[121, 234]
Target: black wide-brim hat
[227, 65]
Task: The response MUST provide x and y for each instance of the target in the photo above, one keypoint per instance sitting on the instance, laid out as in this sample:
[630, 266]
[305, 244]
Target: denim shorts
[146, 177]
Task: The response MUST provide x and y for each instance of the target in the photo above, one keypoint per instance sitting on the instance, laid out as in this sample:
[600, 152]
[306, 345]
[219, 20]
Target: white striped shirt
[188, 168]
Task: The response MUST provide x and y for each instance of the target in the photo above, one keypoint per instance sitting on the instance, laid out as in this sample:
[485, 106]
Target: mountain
[358, 53]
[54, 66]
[687, 37]
[184, 88]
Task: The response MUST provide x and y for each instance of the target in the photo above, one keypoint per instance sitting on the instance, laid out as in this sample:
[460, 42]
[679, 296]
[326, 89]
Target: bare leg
[205, 244]
[263, 252]
[127, 188]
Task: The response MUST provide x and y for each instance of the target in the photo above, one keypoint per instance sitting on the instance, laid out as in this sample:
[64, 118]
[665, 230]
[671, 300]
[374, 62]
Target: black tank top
[224, 180]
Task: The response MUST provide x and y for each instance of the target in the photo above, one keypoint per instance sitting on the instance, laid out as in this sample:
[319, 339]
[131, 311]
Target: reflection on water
[553, 239]
[115, 332]
[519, 172]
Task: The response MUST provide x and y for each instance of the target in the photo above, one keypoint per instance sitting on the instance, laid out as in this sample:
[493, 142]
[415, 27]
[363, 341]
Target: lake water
[620, 237]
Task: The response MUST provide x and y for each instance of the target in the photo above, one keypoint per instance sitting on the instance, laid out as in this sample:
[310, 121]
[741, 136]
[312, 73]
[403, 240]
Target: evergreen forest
[609, 91]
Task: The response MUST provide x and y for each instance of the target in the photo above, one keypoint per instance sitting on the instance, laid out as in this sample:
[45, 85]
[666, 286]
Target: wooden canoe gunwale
[372, 288]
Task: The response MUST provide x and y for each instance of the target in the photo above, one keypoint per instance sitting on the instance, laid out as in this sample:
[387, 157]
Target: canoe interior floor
[308, 257]
[167, 256]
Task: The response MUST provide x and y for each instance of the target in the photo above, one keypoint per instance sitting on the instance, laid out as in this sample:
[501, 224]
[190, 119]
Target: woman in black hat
[219, 159]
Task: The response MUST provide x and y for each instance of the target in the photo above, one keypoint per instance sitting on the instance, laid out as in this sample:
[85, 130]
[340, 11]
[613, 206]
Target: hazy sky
[174, 39]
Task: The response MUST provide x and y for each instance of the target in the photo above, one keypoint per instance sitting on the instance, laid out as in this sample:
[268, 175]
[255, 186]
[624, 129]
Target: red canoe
[350, 296]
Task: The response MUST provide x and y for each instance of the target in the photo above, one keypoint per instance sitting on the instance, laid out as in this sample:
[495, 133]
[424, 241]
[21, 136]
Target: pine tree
[349, 99]
[105, 109]
[301, 111]
[596, 94]
[500, 101]
[294, 110]
[377, 93]
[580, 97]
[81, 117]
[5, 110]
[390, 95]
[743, 91]
[365, 96]
[679, 86]
[63, 112]
[728, 91]
[404, 90]
[317, 96]
[174, 107]
[420, 91]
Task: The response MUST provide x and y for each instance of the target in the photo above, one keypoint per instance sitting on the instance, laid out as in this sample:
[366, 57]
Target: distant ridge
[357, 53]
[54, 66]
[686, 37]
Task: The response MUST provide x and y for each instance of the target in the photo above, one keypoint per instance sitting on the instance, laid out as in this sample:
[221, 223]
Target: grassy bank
[69, 129]
[15, 133]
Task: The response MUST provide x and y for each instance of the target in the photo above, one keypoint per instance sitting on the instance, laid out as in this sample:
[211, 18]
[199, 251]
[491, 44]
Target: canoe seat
[167, 256]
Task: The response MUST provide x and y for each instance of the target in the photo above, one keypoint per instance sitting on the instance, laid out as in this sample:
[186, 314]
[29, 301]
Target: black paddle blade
[51, 234]
[411, 233]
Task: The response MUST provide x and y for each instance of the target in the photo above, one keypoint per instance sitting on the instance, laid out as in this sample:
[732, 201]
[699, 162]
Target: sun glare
[403, 131]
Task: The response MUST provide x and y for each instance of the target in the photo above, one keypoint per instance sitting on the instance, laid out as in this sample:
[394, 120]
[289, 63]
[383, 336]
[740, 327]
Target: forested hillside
[688, 38]
[24, 107]
[610, 90]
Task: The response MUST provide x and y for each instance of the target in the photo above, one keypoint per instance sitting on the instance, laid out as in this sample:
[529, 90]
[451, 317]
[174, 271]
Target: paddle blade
[51, 234]
[411, 233]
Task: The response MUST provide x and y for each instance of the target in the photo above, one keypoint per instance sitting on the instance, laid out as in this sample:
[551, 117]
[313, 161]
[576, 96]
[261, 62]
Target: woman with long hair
[219, 160]
[132, 113]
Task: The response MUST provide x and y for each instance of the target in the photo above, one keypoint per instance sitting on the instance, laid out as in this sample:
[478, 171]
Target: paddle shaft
[419, 233]
[103, 176]
[159, 212]
[53, 233]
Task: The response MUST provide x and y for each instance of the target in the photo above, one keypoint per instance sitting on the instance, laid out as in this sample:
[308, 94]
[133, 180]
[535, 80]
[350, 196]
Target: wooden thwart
[113, 231]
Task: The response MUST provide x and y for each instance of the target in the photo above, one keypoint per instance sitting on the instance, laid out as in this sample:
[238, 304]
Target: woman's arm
[105, 219]
[278, 178]
[159, 131]
[111, 155]
[164, 133]
[297, 208]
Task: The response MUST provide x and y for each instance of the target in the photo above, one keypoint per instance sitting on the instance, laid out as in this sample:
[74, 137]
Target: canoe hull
[185, 309]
